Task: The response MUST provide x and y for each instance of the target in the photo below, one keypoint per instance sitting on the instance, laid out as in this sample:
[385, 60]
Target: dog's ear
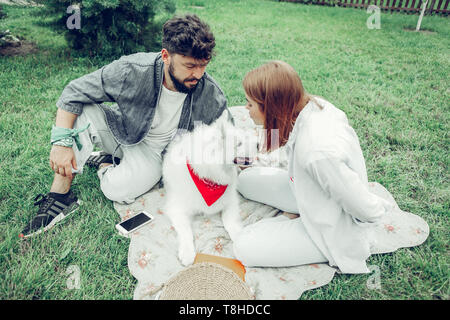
[223, 117]
[222, 122]
[223, 127]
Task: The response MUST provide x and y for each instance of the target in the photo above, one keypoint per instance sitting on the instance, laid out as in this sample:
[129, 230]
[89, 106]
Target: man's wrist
[65, 142]
[67, 137]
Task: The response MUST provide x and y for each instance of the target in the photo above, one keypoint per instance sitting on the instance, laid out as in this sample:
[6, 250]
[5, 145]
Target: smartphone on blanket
[132, 224]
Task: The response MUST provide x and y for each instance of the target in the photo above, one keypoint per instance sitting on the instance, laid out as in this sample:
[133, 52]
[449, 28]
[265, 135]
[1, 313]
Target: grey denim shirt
[134, 83]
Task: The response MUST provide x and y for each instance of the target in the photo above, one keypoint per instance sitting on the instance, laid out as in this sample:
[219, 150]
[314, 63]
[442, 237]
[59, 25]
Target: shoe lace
[43, 201]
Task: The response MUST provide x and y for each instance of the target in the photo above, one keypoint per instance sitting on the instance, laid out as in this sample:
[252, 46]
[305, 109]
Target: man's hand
[62, 159]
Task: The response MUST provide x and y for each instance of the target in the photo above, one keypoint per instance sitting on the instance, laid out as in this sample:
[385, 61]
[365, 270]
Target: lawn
[392, 84]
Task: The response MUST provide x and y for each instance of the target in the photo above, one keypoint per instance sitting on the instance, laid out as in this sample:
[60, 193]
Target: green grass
[393, 85]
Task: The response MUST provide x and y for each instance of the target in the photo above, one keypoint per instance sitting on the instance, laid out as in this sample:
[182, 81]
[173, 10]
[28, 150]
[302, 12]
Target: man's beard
[180, 85]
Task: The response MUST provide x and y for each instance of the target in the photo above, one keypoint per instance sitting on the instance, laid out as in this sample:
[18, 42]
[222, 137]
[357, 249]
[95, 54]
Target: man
[155, 95]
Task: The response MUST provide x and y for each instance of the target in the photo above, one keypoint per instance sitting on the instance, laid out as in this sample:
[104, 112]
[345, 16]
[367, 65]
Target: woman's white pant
[279, 241]
[140, 166]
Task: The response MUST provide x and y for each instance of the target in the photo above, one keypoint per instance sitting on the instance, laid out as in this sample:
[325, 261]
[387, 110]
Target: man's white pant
[279, 241]
[140, 166]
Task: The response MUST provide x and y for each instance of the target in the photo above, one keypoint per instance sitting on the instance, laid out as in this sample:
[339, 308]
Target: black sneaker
[98, 157]
[51, 211]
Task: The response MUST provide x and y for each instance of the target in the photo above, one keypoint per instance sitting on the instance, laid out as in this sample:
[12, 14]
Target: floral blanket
[152, 255]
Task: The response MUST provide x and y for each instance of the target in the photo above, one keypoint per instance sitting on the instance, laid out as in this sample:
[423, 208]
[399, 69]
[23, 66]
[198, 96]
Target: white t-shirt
[167, 116]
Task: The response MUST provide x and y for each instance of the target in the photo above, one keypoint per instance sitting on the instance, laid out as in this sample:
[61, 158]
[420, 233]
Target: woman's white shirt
[329, 181]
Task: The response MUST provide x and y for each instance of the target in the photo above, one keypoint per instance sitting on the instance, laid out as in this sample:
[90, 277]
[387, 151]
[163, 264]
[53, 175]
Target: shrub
[109, 28]
[2, 13]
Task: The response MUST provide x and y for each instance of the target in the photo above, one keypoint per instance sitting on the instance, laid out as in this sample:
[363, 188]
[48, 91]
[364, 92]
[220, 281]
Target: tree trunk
[419, 22]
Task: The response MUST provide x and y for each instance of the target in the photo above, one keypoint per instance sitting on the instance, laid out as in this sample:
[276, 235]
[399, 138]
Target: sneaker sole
[57, 219]
[96, 154]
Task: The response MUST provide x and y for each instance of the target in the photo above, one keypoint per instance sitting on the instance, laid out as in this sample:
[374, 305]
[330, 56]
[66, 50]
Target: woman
[326, 182]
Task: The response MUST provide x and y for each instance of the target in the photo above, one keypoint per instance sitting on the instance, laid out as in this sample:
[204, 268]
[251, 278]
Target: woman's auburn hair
[279, 92]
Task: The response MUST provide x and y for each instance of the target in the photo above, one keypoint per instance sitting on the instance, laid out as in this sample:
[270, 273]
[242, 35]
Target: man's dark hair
[189, 36]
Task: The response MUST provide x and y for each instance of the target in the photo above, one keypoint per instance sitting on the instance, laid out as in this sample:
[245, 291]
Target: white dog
[200, 175]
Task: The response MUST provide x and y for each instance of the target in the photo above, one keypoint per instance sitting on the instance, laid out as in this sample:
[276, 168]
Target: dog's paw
[186, 256]
[234, 230]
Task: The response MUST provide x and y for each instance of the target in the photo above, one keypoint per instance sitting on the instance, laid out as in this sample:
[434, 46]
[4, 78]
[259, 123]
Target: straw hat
[206, 281]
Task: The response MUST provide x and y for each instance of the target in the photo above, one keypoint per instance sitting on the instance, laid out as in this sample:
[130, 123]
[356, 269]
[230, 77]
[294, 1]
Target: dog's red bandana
[209, 190]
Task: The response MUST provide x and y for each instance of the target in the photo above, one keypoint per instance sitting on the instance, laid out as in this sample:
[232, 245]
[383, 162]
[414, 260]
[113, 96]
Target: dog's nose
[244, 161]
[257, 145]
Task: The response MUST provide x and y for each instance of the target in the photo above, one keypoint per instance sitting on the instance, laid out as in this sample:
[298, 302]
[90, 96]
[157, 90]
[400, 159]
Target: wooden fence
[408, 6]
